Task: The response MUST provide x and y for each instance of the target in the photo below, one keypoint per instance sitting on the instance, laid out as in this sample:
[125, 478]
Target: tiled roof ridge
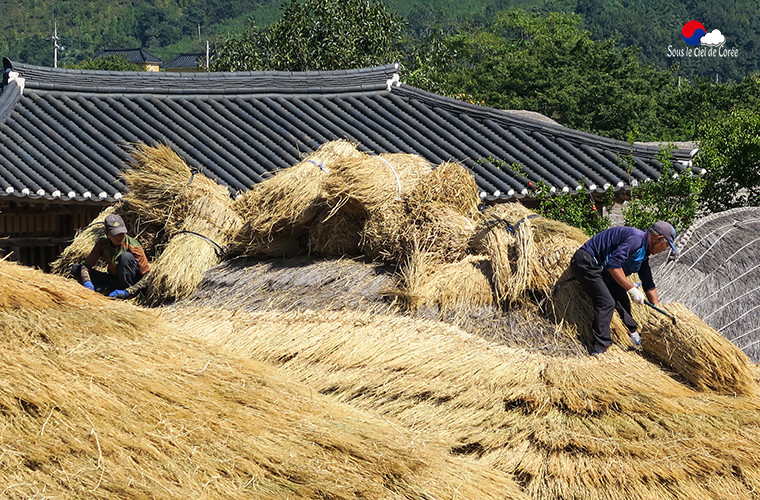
[145, 82]
[525, 121]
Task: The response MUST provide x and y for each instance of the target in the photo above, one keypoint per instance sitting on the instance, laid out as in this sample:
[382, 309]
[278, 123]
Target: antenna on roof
[55, 44]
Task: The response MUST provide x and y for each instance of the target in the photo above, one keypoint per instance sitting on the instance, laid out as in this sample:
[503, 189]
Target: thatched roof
[717, 275]
[306, 283]
[102, 399]
[567, 428]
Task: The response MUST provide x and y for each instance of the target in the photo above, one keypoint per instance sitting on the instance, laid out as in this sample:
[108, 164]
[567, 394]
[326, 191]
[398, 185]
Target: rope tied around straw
[220, 252]
[319, 164]
[398, 181]
[509, 226]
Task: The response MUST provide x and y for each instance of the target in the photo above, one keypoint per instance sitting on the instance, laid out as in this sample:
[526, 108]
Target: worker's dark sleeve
[645, 273]
[625, 249]
[95, 254]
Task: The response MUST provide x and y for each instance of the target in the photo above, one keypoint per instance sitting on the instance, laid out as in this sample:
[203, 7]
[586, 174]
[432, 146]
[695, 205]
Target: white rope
[398, 181]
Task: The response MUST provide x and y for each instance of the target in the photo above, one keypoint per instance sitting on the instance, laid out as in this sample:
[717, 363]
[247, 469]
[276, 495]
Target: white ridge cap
[13, 76]
[56, 194]
[41, 192]
[9, 189]
[117, 196]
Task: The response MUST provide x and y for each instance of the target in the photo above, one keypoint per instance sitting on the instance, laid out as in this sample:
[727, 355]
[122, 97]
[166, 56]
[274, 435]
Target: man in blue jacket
[601, 266]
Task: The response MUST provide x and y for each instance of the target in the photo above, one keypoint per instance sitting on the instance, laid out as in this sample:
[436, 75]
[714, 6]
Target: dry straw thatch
[279, 211]
[449, 183]
[156, 177]
[694, 350]
[381, 236]
[529, 253]
[461, 287]
[199, 245]
[614, 427]
[438, 229]
[101, 399]
[373, 182]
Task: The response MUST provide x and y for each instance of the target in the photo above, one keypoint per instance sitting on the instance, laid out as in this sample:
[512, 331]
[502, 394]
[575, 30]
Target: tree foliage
[729, 151]
[673, 197]
[549, 64]
[316, 35]
[580, 209]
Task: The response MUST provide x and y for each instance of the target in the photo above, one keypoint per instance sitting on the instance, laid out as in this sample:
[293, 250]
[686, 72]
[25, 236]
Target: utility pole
[207, 51]
[55, 44]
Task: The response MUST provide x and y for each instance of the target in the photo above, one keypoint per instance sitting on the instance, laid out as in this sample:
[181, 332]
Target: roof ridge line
[570, 134]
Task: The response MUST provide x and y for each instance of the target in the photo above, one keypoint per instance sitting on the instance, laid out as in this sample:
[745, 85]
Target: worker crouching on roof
[127, 264]
[601, 266]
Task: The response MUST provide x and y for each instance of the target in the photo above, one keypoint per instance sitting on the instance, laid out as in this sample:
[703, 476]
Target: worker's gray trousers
[605, 293]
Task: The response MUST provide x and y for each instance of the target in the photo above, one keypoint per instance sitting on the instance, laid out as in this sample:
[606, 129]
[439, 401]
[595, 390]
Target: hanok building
[63, 134]
[189, 62]
[140, 57]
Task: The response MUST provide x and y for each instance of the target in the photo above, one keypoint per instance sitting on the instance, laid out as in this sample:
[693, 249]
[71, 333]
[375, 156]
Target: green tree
[729, 151]
[317, 35]
[549, 64]
[580, 209]
[107, 63]
[673, 197]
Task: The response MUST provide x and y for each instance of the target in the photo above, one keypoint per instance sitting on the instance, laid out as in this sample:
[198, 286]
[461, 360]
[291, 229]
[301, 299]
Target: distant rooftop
[189, 60]
[137, 56]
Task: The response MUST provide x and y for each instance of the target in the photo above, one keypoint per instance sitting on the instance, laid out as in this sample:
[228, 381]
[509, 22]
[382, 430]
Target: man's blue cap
[669, 232]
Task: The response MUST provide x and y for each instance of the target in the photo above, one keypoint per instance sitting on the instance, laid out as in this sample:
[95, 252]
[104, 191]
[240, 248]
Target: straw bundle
[281, 209]
[100, 399]
[505, 235]
[369, 182]
[82, 245]
[437, 229]
[449, 183]
[199, 245]
[337, 236]
[695, 351]
[381, 235]
[613, 427]
[155, 178]
[460, 287]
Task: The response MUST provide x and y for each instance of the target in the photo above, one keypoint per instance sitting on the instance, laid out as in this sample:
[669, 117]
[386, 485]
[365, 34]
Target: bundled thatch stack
[199, 244]
[610, 427]
[460, 287]
[695, 351]
[183, 220]
[279, 212]
[101, 399]
[529, 253]
[435, 217]
[371, 190]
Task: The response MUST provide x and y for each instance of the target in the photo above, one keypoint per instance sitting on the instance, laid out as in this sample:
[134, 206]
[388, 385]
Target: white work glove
[637, 296]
